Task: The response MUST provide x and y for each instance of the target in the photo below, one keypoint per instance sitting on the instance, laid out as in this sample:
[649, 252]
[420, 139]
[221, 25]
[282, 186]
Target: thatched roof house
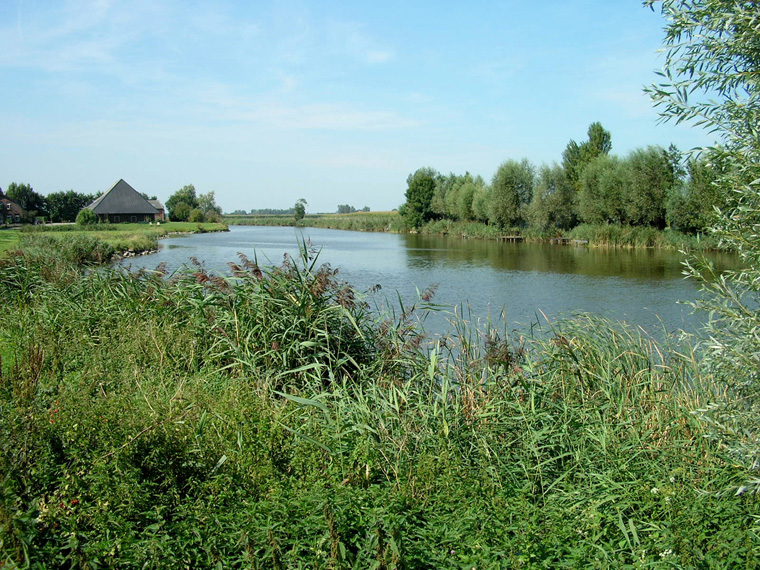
[122, 203]
[10, 211]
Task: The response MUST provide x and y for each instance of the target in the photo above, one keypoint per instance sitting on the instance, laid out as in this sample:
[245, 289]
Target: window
[133, 219]
[117, 219]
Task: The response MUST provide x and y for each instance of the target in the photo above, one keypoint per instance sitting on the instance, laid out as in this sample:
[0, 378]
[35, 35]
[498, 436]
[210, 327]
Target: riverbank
[123, 240]
[275, 422]
[602, 235]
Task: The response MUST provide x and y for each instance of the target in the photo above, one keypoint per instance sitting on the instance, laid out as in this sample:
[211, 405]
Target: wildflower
[655, 490]
[666, 553]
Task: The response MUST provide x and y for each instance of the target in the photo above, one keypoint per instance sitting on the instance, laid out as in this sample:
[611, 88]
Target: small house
[10, 211]
[160, 207]
[122, 203]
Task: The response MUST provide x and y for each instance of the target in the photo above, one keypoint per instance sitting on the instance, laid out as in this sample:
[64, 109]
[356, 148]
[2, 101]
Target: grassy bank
[118, 237]
[277, 423]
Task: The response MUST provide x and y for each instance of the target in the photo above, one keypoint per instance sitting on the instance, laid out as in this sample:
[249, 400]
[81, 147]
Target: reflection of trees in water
[429, 251]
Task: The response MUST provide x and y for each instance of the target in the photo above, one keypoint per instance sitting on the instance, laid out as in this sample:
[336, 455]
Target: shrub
[86, 217]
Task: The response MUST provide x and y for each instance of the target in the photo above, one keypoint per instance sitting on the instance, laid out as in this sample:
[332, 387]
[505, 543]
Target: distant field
[357, 221]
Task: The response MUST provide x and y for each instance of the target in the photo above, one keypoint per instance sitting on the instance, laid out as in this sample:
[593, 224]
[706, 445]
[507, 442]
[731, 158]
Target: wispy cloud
[314, 116]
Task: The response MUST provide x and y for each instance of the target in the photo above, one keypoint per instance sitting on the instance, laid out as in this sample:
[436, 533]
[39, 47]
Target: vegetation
[348, 209]
[185, 206]
[299, 210]
[8, 239]
[86, 217]
[417, 210]
[649, 188]
[120, 238]
[270, 420]
[711, 79]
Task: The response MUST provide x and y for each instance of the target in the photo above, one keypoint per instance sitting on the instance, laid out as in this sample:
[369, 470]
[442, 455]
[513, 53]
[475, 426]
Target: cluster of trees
[346, 209]
[648, 187]
[187, 206]
[62, 206]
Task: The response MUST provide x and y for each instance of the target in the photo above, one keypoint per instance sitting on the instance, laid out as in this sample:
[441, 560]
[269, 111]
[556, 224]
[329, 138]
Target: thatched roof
[156, 204]
[121, 198]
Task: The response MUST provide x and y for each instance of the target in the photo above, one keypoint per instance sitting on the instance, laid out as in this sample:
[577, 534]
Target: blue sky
[335, 102]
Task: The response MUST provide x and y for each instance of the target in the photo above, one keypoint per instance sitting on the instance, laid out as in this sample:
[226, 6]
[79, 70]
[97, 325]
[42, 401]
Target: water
[482, 278]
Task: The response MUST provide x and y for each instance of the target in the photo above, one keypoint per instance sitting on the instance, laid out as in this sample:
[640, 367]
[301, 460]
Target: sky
[266, 102]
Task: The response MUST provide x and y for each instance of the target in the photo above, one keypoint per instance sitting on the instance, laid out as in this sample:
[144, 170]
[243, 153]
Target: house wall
[126, 218]
[10, 212]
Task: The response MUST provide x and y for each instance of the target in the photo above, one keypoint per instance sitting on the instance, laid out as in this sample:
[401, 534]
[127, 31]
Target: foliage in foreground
[711, 79]
[270, 421]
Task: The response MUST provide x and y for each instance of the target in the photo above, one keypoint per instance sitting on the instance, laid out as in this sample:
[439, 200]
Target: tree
[419, 194]
[651, 176]
[86, 217]
[346, 209]
[692, 205]
[481, 203]
[32, 203]
[711, 79]
[553, 205]
[185, 195]
[207, 204]
[299, 210]
[576, 156]
[511, 189]
[180, 212]
[603, 185]
[195, 215]
[65, 206]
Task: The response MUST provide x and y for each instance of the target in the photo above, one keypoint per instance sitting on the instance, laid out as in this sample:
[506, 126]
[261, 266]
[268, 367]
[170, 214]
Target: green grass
[8, 240]
[122, 237]
[273, 421]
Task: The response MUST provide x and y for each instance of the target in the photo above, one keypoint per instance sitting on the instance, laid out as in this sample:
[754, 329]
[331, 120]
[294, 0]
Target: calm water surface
[643, 287]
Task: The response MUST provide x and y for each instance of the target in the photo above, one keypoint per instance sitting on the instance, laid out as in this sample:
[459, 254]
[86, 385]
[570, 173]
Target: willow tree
[711, 78]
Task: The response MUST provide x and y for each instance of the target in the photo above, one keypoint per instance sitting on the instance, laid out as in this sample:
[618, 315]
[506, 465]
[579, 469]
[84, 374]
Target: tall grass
[613, 235]
[269, 420]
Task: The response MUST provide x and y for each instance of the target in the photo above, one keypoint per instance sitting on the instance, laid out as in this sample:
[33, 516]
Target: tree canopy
[419, 194]
[25, 196]
[299, 210]
[181, 203]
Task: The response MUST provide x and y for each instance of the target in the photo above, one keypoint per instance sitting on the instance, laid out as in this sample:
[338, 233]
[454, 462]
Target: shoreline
[603, 236]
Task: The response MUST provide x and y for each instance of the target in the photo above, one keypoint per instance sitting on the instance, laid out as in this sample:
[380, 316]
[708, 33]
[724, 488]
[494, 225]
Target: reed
[271, 419]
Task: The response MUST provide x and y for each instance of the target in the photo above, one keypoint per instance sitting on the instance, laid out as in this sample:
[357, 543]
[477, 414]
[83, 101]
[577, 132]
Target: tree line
[62, 206]
[651, 186]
